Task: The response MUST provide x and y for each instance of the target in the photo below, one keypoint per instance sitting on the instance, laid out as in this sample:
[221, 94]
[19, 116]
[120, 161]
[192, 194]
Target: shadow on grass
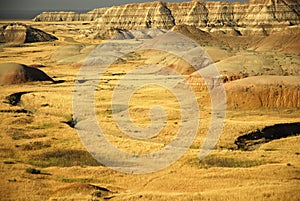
[64, 158]
[253, 140]
[70, 121]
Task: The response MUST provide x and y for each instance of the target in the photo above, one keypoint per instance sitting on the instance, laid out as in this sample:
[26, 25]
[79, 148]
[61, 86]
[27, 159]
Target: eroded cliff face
[70, 16]
[202, 14]
[138, 16]
[57, 16]
[263, 92]
[19, 33]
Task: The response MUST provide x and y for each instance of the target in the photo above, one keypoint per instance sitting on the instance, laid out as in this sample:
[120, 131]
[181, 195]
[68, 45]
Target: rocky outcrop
[190, 13]
[93, 15]
[138, 34]
[254, 92]
[57, 16]
[137, 16]
[271, 12]
[21, 33]
[255, 13]
[70, 16]
[286, 40]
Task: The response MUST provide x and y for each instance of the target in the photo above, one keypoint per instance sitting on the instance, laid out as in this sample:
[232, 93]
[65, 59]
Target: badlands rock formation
[261, 14]
[138, 16]
[122, 34]
[264, 92]
[21, 33]
[70, 16]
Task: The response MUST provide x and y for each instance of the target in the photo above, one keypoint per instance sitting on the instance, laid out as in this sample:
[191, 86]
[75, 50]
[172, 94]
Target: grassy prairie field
[43, 158]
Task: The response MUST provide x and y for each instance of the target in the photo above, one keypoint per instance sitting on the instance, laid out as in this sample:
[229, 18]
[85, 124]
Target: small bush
[70, 121]
[97, 194]
[9, 162]
[33, 171]
[270, 149]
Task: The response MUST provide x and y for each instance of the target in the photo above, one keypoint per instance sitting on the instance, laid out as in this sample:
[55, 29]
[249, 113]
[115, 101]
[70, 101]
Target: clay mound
[118, 34]
[263, 92]
[124, 34]
[225, 30]
[193, 32]
[21, 33]
[14, 73]
[70, 54]
[285, 41]
[139, 34]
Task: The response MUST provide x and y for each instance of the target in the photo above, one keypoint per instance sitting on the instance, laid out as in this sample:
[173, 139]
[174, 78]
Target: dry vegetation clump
[220, 161]
[33, 171]
[82, 191]
[17, 134]
[64, 158]
[37, 145]
[20, 133]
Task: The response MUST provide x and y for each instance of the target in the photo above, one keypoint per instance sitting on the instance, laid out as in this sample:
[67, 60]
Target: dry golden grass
[42, 140]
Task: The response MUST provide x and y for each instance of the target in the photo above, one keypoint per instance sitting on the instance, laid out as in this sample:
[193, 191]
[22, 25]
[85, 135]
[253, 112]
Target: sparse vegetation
[34, 146]
[86, 180]
[270, 149]
[17, 134]
[220, 161]
[78, 180]
[41, 126]
[64, 158]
